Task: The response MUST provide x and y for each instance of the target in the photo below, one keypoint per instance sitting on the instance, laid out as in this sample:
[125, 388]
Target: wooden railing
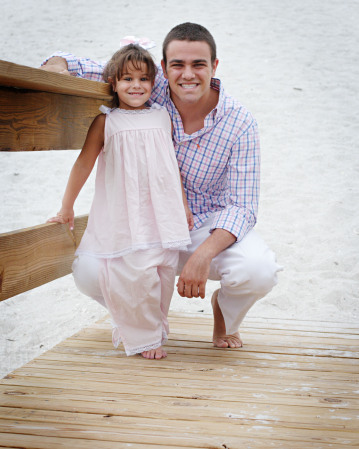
[42, 111]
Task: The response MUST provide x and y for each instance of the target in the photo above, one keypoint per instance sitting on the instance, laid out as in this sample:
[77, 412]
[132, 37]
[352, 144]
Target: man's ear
[214, 67]
[163, 65]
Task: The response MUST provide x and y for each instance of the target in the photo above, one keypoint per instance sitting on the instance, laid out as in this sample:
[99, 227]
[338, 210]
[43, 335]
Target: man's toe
[220, 343]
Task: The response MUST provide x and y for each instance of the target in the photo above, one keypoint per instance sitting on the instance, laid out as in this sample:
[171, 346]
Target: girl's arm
[81, 170]
[189, 214]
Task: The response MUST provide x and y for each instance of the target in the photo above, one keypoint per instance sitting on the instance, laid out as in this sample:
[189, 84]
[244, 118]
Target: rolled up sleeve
[81, 67]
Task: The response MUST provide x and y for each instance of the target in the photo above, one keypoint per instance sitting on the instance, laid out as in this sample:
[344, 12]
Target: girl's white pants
[136, 289]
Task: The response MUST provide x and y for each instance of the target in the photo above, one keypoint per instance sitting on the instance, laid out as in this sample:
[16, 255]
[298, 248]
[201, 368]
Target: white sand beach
[294, 65]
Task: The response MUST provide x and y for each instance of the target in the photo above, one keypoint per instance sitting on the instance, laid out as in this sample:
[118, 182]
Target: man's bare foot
[220, 339]
[157, 353]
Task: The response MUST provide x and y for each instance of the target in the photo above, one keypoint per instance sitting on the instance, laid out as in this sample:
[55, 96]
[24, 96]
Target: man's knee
[263, 273]
[256, 273]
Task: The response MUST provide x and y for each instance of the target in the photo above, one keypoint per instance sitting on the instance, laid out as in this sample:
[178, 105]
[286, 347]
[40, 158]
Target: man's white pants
[247, 271]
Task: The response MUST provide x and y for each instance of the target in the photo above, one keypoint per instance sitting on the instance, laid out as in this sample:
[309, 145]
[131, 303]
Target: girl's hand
[189, 217]
[64, 216]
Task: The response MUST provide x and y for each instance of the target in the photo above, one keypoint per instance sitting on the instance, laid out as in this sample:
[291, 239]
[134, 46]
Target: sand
[294, 65]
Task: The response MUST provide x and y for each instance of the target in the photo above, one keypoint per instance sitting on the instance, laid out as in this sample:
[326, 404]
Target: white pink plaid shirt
[219, 164]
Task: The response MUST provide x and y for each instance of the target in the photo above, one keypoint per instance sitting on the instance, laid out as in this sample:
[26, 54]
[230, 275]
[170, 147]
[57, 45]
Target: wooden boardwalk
[294, 385]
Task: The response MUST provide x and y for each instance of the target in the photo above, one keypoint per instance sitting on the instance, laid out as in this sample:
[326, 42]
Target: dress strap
[105, 110]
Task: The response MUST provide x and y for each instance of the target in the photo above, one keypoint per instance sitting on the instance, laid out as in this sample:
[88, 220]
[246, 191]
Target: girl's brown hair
[130, 54]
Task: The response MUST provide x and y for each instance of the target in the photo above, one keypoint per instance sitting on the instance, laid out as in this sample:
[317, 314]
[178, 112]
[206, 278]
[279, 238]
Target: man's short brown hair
[190, 32]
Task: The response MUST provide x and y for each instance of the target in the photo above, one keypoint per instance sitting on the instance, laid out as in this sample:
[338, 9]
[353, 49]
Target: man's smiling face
[189, 70]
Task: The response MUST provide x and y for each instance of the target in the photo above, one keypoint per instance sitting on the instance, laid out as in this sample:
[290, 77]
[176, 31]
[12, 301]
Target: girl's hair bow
[143, 42]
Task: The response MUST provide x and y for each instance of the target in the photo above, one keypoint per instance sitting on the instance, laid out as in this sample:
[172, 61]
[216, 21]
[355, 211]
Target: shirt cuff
[236, 220]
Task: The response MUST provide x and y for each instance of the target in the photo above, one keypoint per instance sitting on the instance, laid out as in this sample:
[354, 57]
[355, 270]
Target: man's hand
[57, 65]
[193, 279]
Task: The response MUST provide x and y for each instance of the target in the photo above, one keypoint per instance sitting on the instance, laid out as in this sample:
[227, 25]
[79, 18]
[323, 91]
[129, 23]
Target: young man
[217, 149]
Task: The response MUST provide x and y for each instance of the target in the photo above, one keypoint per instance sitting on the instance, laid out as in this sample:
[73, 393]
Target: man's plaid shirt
[219, 164]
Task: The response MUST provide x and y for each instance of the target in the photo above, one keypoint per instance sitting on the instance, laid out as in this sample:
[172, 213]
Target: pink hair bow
[143, 42]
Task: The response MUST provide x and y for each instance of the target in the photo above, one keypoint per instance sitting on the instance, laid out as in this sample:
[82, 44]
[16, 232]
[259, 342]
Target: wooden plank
[285, 326]
[249, 372]
[252, 375]
[280, 325]
[33, 121]
[166, 408]
[257, 362]
[193, 432]
[256, 395]
[49, 442]
[289, 355]
[83, 393]
[34, 442]
[20, 76]
[33, 256]
[313, 340]
[233, 391]
[232, 358]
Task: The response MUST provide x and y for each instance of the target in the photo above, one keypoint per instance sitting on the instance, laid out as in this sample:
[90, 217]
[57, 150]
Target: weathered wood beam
[46, 111]
[23, 77]
[34, 256]
[33, 121]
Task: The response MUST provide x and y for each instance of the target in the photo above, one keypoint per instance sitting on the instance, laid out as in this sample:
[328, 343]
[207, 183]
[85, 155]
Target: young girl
[139, 218]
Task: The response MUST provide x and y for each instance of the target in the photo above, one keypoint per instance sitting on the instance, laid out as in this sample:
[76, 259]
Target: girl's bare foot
[220, 339]
[157, 353]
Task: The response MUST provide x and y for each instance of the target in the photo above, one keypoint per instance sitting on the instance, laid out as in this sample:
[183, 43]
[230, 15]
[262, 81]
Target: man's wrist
[205, 252]
[219, 240]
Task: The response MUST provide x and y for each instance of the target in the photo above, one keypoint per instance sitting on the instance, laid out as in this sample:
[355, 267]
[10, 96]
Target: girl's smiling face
[134, 87]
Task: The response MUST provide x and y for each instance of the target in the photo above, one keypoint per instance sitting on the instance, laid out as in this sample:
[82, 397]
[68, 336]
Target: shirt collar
[217, 85]
[210, 119]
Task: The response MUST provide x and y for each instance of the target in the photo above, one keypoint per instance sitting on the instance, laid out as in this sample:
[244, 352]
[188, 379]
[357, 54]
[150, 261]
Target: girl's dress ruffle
[117, 339]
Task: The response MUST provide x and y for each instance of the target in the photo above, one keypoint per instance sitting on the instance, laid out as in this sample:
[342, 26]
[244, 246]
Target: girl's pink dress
[138, 199]
[137, 206]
